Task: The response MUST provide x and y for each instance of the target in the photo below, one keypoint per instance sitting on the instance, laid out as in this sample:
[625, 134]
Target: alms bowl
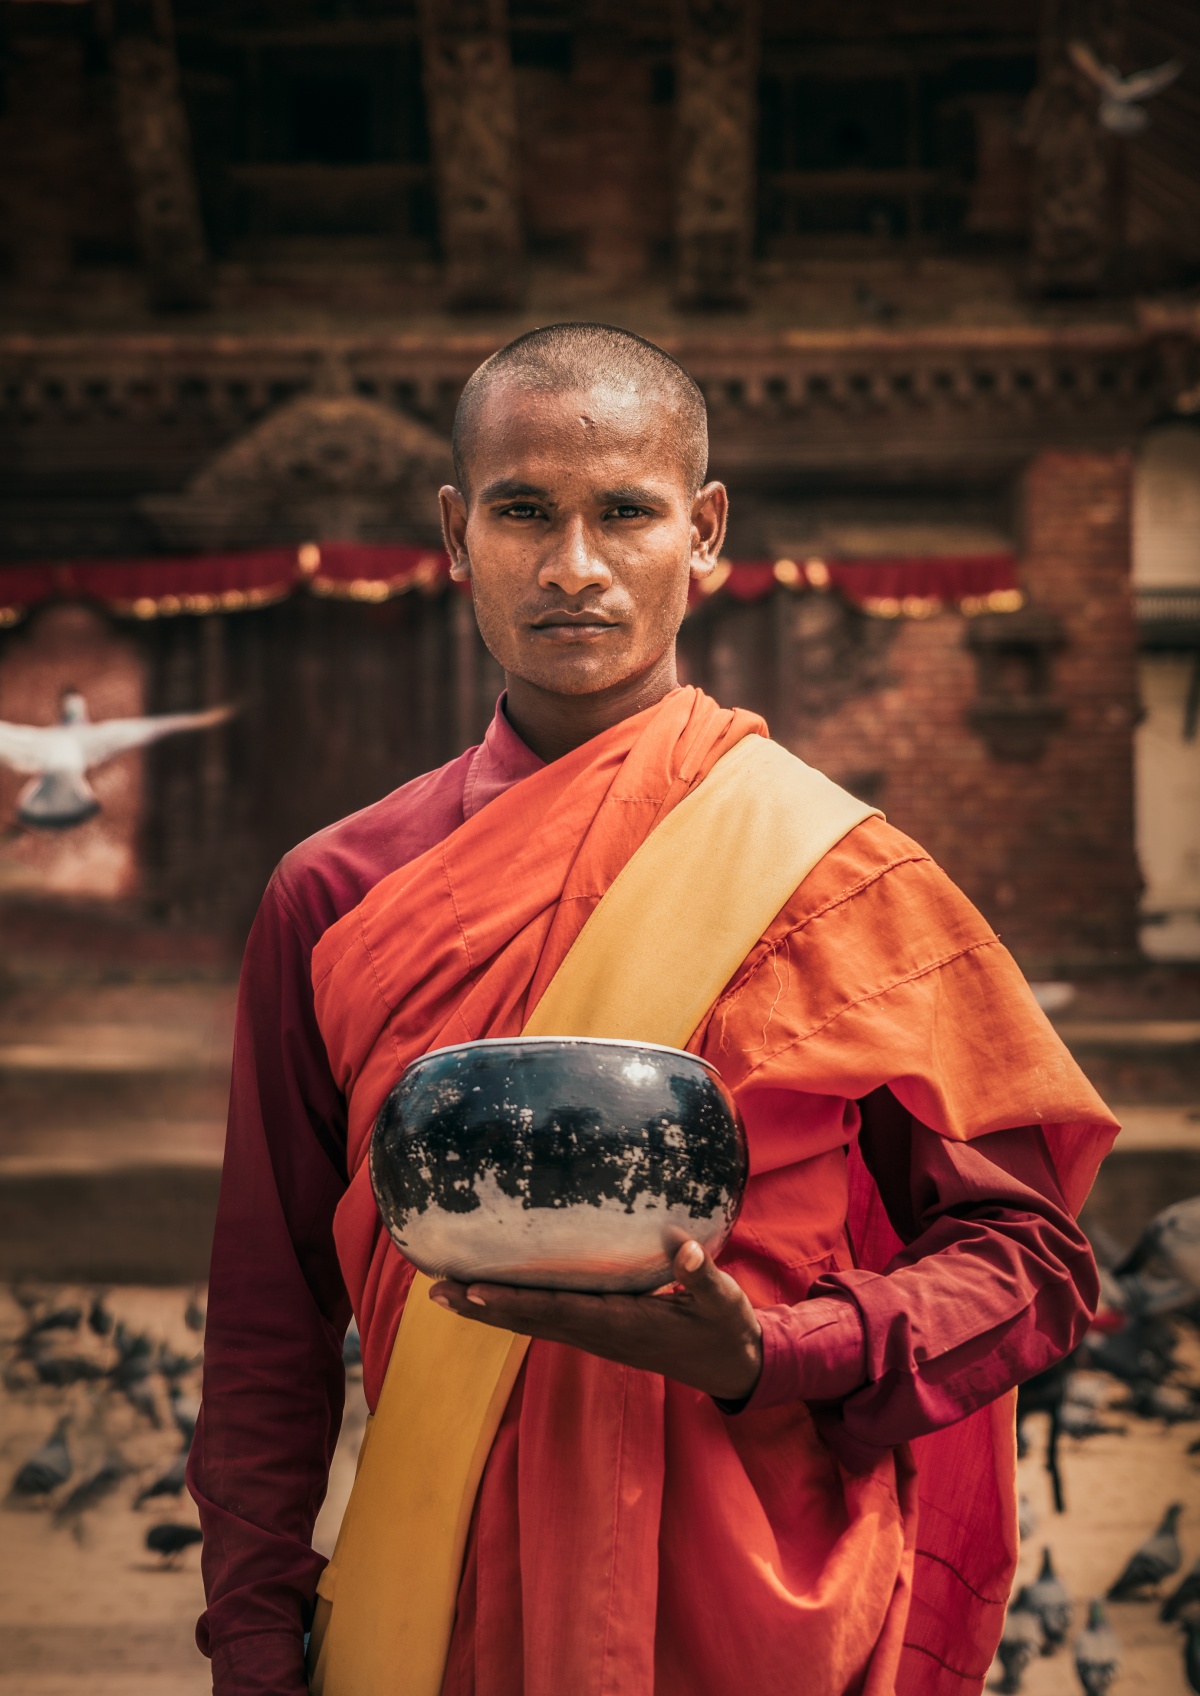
[568, 1163]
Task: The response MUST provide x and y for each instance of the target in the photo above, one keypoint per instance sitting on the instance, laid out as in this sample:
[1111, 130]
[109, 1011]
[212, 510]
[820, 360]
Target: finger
[702, 1278]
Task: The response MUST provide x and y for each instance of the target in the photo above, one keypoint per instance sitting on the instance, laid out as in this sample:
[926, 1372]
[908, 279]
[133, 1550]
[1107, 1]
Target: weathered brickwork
[1045, 848]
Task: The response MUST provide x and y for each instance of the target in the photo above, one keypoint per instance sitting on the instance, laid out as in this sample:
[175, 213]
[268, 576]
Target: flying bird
[57, 757]
[47, 1467]
[1020, 1642]
[170, 1540]
[1097, 1653]
[1050, 1600]
[1120, 111]
[1157, 1558]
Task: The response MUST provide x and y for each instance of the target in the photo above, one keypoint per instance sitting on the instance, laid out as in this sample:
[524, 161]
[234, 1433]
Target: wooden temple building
[941, 289]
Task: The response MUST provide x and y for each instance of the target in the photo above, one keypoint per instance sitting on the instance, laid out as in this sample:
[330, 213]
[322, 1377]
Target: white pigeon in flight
[59, 756]
[1119, 109]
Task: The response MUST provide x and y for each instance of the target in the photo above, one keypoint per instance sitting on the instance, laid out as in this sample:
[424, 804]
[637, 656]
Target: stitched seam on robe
[616, 1529]
[769, 949]
[993, 1601]
[959, 1672]
[873, 995]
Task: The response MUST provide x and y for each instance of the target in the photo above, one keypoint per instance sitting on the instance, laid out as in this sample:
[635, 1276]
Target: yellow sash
[655, 954]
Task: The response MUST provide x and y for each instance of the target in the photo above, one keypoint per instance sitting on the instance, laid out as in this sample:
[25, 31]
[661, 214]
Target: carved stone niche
[1015, 710]
[324, 467]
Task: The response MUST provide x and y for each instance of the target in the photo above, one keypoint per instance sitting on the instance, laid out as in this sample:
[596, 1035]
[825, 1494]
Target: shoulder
[330, 872]
[875, 913]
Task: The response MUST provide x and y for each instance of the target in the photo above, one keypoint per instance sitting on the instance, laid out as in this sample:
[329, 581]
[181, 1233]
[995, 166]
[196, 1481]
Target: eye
[520, 509]
[628, 511]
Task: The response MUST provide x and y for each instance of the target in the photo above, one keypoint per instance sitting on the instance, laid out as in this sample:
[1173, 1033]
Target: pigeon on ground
[1184, 1594]
[47, 1467]
[168, 1483]
[1169, 1245]
[173, 1365]
[1026, 1518]
[1157, 1558]
[1171, 1403]
[185, 1411]
[100, 1320]
[1191, 1655]
[1097, 1653]
[1080, 1422]
[169, 1540]
[63, 1369]
[193, 1313]
[1143, 1348]
[57, 757]
[62, 1319]
[1120, 112]
[1050, 1600]
[92, 1490]
[1020, 1642]
[134, 1365]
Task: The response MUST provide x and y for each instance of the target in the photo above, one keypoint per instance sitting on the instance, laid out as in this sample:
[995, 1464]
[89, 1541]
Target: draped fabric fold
[629, 1537]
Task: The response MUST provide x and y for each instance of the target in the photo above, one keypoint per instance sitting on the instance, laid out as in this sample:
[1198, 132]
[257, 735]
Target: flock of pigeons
[1149, 1296]
[114, 1361]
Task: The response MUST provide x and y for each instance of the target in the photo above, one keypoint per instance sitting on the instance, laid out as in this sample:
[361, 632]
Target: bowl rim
[589, 1041]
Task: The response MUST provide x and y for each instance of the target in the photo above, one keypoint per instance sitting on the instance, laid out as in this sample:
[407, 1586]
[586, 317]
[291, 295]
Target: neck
[552, 725]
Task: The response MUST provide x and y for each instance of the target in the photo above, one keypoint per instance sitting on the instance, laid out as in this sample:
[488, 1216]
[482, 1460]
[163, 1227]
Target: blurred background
[935, 264]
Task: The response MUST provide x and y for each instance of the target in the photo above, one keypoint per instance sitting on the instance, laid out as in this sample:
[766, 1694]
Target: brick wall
[1045, 848]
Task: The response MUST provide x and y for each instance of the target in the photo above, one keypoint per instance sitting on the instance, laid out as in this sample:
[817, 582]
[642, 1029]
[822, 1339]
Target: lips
[573, 621]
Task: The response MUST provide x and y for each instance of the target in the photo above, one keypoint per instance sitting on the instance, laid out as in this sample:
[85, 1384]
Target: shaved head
[576, 358]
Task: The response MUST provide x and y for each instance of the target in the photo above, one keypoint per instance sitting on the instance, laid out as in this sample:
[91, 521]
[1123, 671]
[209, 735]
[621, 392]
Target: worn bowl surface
[561, 1162]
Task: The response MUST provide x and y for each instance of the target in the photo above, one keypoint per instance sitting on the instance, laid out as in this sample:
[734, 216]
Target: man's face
[580, 533]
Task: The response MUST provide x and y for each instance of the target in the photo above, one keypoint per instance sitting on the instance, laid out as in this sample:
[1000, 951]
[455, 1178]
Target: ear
[710, 514]
[454, 531]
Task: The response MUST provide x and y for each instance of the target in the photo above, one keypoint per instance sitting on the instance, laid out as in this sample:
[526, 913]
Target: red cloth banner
[364, 571]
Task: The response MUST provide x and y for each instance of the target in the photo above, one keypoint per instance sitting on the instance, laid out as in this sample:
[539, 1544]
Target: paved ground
[111, 1108]
[88, 1612]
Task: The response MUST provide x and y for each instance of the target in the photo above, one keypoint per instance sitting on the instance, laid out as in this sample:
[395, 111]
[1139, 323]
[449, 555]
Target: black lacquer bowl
[568, 1163]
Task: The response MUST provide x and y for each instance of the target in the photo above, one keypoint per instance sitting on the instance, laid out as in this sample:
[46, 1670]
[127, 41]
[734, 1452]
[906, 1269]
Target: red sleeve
[995, 1282]
[277, 1315]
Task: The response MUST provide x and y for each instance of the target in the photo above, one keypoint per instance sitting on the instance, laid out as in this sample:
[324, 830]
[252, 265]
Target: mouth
[563, 626]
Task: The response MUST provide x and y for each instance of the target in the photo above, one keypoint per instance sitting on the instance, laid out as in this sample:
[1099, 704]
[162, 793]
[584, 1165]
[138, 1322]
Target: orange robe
[629, 1537]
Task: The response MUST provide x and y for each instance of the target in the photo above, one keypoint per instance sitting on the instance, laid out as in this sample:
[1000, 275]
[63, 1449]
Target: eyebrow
[511, 489]
[632, 495]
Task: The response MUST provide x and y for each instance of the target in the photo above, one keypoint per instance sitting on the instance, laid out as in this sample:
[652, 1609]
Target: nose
[573, 565]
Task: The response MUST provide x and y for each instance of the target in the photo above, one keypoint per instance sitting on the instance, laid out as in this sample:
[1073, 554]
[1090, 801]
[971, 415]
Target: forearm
[998, 1284]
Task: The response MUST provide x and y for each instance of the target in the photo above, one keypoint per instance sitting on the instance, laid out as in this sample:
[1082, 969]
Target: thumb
[699, 1273]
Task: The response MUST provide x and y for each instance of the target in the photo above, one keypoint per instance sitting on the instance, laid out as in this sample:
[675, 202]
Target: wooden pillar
[154, 134]
[471, 95]
[716, 73]
[1074, 216]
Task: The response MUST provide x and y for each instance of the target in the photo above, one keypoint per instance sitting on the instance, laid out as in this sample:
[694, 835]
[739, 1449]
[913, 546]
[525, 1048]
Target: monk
[793, 1471]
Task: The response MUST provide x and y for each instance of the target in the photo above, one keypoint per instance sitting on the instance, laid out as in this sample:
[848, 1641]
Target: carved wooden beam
[716, 70]
[154, 134]
[471, 96]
